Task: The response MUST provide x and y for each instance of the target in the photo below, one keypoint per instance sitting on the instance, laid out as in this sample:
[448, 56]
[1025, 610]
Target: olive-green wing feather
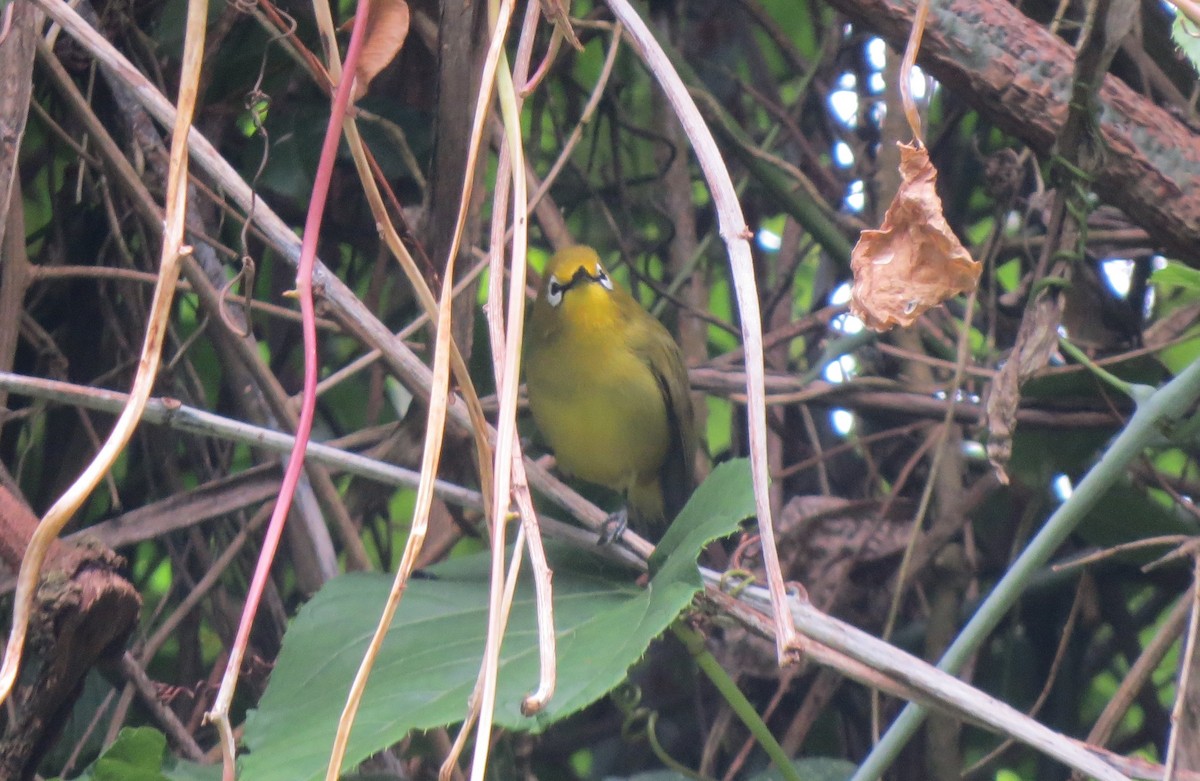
[662, 355]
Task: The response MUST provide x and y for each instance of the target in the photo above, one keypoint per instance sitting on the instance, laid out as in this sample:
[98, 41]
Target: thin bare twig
[1187, 667]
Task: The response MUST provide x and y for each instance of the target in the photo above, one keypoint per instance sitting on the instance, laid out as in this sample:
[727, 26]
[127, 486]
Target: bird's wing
[659, 352]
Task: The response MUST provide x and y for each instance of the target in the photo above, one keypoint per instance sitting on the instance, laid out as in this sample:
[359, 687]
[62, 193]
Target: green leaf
[136, 755]
[814, 769]
[1180, 355]
[1175, 274]
[430, 660]
[190, 771]
[1129, 513]
[1187, 38]
[723, 501]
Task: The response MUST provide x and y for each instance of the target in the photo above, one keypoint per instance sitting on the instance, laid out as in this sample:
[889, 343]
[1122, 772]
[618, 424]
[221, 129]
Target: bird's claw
[614, 526]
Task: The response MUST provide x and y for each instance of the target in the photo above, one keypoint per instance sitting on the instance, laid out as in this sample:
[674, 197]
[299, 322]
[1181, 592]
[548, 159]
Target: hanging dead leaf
[914, 261]
[387, 28]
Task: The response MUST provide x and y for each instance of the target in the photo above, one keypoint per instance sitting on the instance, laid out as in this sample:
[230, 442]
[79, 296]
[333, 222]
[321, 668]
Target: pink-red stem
[308, 254]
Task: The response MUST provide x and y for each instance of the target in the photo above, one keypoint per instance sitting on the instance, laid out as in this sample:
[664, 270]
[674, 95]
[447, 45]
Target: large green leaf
[136, 755]
[430, 661]
[724, 499]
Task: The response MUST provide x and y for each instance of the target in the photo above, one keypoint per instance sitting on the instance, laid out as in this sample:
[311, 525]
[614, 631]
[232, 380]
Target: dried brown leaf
[914, 261]
[387, 28]
[1037, 339]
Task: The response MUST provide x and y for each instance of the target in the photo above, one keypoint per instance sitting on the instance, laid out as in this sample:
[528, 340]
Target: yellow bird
[609, 391]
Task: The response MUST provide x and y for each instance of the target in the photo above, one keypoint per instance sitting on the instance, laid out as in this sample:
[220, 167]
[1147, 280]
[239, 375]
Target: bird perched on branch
[609, 390]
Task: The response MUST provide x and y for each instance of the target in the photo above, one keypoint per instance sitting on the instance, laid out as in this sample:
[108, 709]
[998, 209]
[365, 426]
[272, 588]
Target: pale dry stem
[882, 665]
[506, 352]
[735, 233]
[434, 436]
[172, 253]
[505, 340]
[906, 66]
[1187, 669]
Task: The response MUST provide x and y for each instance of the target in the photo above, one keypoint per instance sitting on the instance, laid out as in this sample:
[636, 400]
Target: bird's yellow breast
[597, 403]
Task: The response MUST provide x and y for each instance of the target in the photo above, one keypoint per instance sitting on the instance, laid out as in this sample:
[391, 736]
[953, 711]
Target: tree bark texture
[85, 612]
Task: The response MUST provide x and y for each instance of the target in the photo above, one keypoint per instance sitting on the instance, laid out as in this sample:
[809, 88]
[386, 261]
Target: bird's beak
[580, 275]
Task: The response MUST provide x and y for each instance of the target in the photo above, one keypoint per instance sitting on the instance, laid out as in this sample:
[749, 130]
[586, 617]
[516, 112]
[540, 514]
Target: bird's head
[578, 295]
[575, 273]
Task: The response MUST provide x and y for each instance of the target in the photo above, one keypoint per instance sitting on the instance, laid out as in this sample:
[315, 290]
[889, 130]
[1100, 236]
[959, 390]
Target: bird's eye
[554, 291]
[603, 279]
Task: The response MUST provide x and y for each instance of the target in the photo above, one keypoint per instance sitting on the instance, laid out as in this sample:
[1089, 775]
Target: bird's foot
[614, 526]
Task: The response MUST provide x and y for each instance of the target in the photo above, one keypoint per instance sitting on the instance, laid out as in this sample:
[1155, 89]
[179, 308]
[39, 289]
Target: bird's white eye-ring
[603, 279]
[554, 291]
